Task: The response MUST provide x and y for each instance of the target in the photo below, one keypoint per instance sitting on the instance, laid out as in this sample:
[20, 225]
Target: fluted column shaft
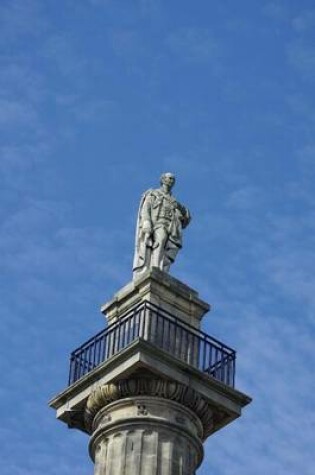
[146, 436]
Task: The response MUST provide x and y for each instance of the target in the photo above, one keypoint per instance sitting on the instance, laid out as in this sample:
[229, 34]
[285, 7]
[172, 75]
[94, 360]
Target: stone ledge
[144, 358]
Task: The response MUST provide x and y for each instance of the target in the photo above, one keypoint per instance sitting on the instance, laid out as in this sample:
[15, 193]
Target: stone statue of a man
[159, 227]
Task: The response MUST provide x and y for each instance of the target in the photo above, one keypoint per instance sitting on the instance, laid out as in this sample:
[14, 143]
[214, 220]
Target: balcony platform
[142, 358]
[152, 349]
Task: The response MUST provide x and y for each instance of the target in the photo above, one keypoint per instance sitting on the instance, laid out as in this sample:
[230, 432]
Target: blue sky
[97, 99]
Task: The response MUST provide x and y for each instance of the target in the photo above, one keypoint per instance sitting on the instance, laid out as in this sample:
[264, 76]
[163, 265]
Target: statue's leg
[171, 250]
[160, 236]
[142, 257]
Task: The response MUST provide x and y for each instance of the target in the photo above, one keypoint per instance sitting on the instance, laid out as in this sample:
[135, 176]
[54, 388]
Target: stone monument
[151, 387]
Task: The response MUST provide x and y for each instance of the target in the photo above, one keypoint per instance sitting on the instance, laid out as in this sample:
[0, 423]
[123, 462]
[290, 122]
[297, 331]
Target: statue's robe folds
[158, 211]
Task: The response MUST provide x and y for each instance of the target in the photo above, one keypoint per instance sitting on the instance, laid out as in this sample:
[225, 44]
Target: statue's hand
[146, 227]
[186, 218]
[147, 239]
[181, 209]
[146, 233]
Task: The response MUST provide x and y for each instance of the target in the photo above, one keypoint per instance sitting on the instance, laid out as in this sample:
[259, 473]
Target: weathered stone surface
[147, 409]
[141, 357]
[103, 395]
[146, 435]
[160, 222]
[163, 290]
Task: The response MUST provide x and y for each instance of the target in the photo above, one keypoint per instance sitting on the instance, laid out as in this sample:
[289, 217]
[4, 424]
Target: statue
[159, 227]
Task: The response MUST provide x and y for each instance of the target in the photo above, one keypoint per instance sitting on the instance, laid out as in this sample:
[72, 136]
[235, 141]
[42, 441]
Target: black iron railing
[149, 322]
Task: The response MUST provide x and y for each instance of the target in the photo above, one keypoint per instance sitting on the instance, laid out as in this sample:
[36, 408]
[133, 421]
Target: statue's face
[168, 179]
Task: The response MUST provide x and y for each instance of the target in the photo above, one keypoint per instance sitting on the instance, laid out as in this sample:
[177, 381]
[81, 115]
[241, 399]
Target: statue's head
[167, 179]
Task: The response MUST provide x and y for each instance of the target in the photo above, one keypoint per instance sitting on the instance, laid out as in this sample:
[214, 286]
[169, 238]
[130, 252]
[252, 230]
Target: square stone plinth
[164, 291]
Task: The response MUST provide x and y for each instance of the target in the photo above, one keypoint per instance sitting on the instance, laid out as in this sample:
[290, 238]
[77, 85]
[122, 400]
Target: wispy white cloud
[151, 8]
[304, 21]
[194, 44]
[20, 80]
[20, 18]
[249, 249]
[17, 113]
[63, 54]
[278, 10]
[275, 364]
[100, 2]
[246, 197]
[301, 55]
[126, 41]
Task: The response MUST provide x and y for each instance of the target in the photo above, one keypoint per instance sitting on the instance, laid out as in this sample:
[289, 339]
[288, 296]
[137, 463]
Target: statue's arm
[146, 218]
[185, 215]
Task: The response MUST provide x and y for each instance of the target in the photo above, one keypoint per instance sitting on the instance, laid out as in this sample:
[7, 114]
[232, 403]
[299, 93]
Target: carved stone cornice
[141, 386]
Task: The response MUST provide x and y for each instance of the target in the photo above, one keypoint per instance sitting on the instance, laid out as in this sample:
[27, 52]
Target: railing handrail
[149, 322]
[188, 325]
[163, 314]
[110, 327]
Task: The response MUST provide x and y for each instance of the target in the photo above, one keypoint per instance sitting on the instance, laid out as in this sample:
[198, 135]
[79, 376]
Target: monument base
[152, 387]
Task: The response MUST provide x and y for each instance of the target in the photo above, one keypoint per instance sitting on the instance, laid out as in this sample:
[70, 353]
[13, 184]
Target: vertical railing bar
[103, 350]
[148, 321]
[230, 374]
[146, 324]
[223, 363]
[70, 370]
[133, 325]
[89, 357]
[74, 374]
[118, 335]
[99, 350]
[127, 331]
[234, 370]
[162, 333]
[82, 363]
[216, 362]
[79, 366]
[175, 337]
[141, 324]
[84, 360]
[219, 365]
[185, 349]
[225, 367]
[211, 357]
[181, 339]
[205, 351]
[169, 336]
[94, 351]
[108, 345]
[123, 336]
[138, 323]
[121, 333]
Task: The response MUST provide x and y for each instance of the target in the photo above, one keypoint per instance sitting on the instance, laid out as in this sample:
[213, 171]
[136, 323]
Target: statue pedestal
[162, 290]
[153, 386]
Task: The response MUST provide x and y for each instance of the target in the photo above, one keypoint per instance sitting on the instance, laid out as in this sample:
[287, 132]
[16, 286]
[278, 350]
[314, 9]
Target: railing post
[160, 328]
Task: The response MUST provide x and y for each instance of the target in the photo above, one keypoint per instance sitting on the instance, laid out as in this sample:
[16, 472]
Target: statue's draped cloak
[149, 211]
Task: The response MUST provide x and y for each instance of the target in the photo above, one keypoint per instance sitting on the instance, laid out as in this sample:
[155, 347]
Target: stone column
[146, 434]
[149, 404]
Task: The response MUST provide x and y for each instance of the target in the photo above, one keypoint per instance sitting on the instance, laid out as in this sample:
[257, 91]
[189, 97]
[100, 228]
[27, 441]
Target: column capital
[105, 394]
